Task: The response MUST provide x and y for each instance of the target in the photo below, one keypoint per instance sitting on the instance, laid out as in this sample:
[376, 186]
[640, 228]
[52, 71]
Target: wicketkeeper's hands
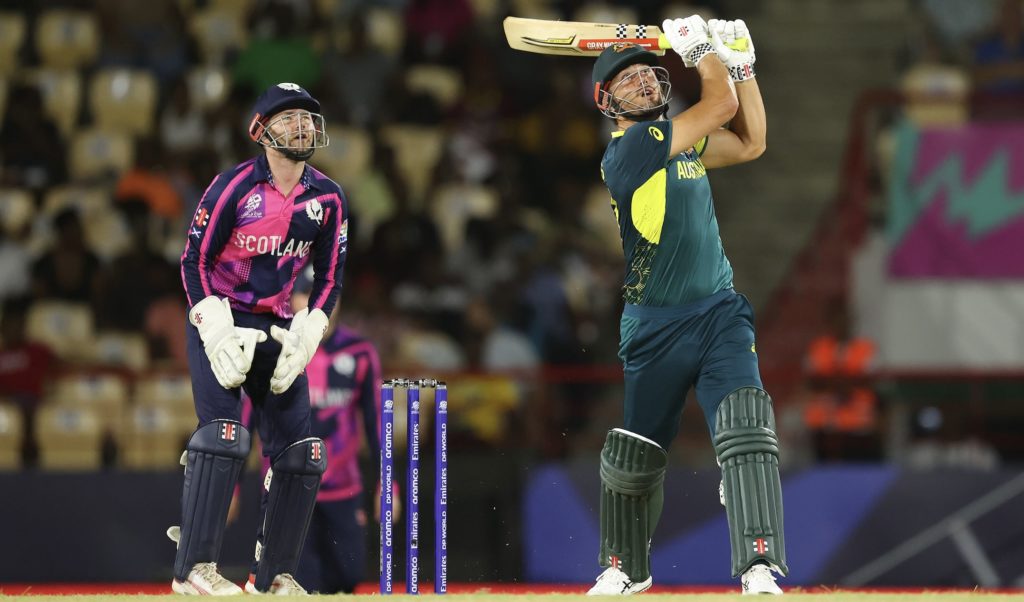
[229, 348]
[298, 344]
[732, 42]
[689, 38]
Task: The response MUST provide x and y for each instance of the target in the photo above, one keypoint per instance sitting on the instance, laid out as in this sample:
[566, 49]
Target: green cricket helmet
[614, 59]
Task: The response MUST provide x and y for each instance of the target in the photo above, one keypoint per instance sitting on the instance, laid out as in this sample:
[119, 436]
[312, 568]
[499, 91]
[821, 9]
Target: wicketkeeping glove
[689, 38]
[298, 344]
[229, 348]
[732, 42]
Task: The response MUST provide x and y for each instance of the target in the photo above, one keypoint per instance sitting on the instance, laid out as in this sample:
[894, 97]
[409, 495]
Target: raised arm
[717, 103]
[745, 138]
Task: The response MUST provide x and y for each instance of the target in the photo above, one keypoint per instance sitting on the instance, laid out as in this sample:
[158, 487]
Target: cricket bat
[575, 38]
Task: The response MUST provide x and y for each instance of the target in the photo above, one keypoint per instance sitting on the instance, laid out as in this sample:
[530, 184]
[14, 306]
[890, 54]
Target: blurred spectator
[25, 366]
[841, 406]
[147, 182]
[146, 35]
[68, 270]
[15, 260]
[357, 74]
[132, 282]
[31, 147]
[182, 127]
[491, 345]
[999, 57]
[281, 49]
[435, 29]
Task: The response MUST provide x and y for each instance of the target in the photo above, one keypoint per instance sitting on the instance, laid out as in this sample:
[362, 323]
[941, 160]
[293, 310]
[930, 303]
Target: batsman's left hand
[298, 344]
[732, 43]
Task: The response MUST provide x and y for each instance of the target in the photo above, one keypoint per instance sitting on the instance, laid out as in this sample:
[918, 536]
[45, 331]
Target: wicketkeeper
[257, 226]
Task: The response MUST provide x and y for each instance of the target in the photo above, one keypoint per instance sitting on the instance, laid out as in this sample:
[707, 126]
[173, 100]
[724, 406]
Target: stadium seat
[123, 100]
[12, 36]
[104, 394]
[67, 39]
[217, 32]
[89, 201]
[385, 30]
[62, 96]
[121, 350]
[12, 435]
[443, 84]
[66, 328]
[600, 12]
[454, 204]
[417, 151]
[173, 392]
[535, 9]
[235, 7]
[347, 157]
[207, 87]
[70, 438]
[16, 209]
[96, 153]
[151, 438]
[599, 219]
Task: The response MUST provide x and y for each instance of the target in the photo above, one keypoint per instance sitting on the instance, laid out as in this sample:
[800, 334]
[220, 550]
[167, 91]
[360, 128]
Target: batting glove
[689, 38]
[229, 348]
[731, 40]
[298, 344]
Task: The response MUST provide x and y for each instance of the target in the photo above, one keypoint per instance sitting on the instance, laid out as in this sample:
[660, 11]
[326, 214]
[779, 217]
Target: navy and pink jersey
[344, 395]
[248, 241]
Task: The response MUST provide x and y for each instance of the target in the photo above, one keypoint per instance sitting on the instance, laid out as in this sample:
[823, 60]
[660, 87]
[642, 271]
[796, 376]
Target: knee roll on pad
[292, 486]
[632, 496]
[214, 456]
[748, 452]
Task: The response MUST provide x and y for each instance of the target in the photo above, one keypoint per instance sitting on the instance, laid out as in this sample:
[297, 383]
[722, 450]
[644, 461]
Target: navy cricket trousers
[284, 418]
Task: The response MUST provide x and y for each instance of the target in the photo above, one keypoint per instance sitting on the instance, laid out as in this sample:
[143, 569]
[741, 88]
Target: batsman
[683, 325]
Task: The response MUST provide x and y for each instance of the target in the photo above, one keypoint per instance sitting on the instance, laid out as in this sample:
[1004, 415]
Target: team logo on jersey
[315, 453]
[343, 234]
[315, 211]
[228, 431]
[344, 364]
[289, 86]
[202, 216]
[253, 207]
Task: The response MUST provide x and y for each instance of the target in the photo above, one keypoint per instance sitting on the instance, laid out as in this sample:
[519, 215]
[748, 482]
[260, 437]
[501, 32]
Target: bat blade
[576, 38]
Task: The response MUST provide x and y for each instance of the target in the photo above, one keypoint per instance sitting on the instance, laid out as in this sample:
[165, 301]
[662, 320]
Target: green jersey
[666, 218]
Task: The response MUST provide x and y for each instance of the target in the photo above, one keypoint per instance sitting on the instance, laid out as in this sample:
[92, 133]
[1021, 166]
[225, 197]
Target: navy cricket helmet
[291, 140]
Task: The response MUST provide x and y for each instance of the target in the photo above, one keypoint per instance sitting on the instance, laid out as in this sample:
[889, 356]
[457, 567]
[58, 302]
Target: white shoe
[205, 580]
[758, 579]
[613, 582]
[283, 585]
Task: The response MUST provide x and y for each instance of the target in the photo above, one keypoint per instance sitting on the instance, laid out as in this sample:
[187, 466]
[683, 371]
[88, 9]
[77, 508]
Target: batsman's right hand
[689, 38]
[229, 348]
[732, 42]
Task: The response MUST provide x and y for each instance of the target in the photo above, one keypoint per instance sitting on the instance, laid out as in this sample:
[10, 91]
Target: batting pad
[292, 487]
[215, 455]
[748, 451]
[632, 496]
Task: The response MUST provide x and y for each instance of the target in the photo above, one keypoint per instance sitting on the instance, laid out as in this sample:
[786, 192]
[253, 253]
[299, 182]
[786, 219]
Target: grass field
[795, 593]
[484, 597]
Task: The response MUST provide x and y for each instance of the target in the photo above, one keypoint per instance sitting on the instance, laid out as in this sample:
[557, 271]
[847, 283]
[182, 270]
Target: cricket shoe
[282, 585]
[758, 579]
[205, 580]
[613, 582]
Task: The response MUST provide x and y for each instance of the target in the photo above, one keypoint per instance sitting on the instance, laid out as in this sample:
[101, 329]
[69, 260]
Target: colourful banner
[956, 202]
